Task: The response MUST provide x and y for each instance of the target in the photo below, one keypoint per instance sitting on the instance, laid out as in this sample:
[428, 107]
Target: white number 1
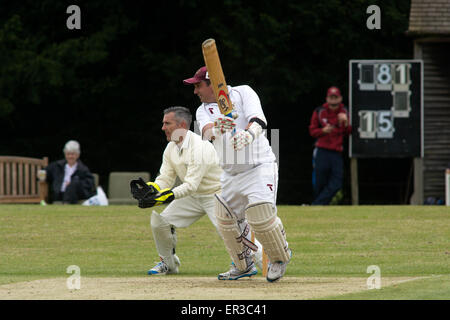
[401, 68]
[368, 117]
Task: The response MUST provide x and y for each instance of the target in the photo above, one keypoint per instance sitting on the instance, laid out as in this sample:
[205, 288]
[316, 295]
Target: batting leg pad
[165, 239]
[268, 228]
[236, 242]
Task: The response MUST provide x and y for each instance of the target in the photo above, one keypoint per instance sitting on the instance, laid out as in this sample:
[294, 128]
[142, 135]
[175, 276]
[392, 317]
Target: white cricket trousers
[183, 212]
[254, 185]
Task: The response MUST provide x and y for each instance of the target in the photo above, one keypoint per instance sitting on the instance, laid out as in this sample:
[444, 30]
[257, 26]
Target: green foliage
[13, 51]
[31, 71]
[107, 84]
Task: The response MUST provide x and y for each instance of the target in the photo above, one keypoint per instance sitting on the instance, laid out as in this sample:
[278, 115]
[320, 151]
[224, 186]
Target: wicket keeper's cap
[334, 91]
[200, 75]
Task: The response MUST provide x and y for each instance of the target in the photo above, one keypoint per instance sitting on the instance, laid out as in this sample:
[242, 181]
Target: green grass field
[39, 242]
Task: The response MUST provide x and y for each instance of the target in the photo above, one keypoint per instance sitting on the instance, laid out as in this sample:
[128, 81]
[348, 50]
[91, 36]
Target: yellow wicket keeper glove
[154, 185]
[157, 199]
[163, 197]
[140, 190]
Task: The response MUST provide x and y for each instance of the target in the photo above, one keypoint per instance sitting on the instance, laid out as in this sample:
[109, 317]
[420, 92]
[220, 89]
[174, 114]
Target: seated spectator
[69, 179]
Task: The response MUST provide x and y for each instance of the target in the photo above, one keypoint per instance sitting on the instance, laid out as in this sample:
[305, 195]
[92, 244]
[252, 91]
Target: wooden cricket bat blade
[216, 76]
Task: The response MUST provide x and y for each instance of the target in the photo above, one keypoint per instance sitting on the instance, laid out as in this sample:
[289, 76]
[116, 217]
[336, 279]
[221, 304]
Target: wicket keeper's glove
[141, 190]
[162, 197]
[154, 185]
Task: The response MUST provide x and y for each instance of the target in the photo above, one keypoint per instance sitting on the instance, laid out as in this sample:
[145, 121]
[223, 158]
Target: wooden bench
[19, 182]
[119, 186]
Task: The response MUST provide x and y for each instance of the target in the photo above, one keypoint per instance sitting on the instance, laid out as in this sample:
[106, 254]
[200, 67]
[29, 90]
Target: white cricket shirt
[195, 162]
[247, 106]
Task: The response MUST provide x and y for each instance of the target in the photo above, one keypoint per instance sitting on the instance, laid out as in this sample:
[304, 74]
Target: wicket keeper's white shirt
[247, 106]
[195, 162]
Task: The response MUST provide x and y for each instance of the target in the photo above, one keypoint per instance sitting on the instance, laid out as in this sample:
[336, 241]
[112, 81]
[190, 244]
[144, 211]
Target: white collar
[73, 167]
[186, 139]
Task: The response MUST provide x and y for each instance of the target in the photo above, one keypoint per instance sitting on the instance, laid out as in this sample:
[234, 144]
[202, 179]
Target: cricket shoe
[277, 269]
[162, 268]
[234, 273]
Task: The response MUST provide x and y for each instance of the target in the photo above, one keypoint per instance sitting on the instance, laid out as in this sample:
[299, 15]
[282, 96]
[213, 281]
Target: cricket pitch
[188, 288]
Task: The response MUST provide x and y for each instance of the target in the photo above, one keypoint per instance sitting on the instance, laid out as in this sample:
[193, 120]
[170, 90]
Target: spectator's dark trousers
[329, 174]
[73, 192]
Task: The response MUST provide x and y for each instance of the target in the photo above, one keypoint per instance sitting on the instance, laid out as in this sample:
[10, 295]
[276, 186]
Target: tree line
[107, 83]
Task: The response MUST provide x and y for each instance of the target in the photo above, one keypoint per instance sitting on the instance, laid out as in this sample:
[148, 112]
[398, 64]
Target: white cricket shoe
[162, 268]
[177, 261]
[234, 273]
[277, 269]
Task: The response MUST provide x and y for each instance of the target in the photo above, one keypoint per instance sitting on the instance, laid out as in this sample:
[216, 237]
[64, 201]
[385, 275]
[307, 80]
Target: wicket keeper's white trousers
[183, 212]
[255, 185]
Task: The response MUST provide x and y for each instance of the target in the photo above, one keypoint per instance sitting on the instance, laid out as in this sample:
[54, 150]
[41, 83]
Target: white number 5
[384, 121]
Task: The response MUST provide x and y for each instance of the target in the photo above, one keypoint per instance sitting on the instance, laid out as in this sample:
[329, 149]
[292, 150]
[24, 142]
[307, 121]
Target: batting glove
[222, 125]
[241, 140]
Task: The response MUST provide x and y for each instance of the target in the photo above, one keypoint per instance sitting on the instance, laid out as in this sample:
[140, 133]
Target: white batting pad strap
[244, 237]
[239, 252]
[269, 230]
[165, 238]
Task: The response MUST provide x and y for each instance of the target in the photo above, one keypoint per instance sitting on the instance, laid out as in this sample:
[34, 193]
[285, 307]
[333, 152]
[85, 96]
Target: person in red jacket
[329, 125]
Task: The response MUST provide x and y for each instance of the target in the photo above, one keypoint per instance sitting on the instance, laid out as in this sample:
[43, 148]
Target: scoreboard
[386, 108]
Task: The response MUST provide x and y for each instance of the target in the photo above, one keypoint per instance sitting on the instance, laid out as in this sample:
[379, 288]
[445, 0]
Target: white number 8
[384, 74]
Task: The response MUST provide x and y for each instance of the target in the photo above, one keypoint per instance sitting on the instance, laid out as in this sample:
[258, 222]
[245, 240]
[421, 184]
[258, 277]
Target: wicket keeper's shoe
[162, 268]
[177, 264]
[234, 273]
[277, 269]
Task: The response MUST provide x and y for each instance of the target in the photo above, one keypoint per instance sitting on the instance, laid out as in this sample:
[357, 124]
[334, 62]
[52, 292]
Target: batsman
[195, 163]
[232, 117]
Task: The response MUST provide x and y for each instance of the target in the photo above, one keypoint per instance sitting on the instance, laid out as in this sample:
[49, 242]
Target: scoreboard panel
[386, 108]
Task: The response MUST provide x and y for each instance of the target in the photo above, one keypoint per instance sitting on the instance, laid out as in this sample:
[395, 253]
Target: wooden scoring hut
[429, 26]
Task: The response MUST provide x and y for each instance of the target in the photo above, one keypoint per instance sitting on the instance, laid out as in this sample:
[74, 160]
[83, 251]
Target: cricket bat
[216, 76]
